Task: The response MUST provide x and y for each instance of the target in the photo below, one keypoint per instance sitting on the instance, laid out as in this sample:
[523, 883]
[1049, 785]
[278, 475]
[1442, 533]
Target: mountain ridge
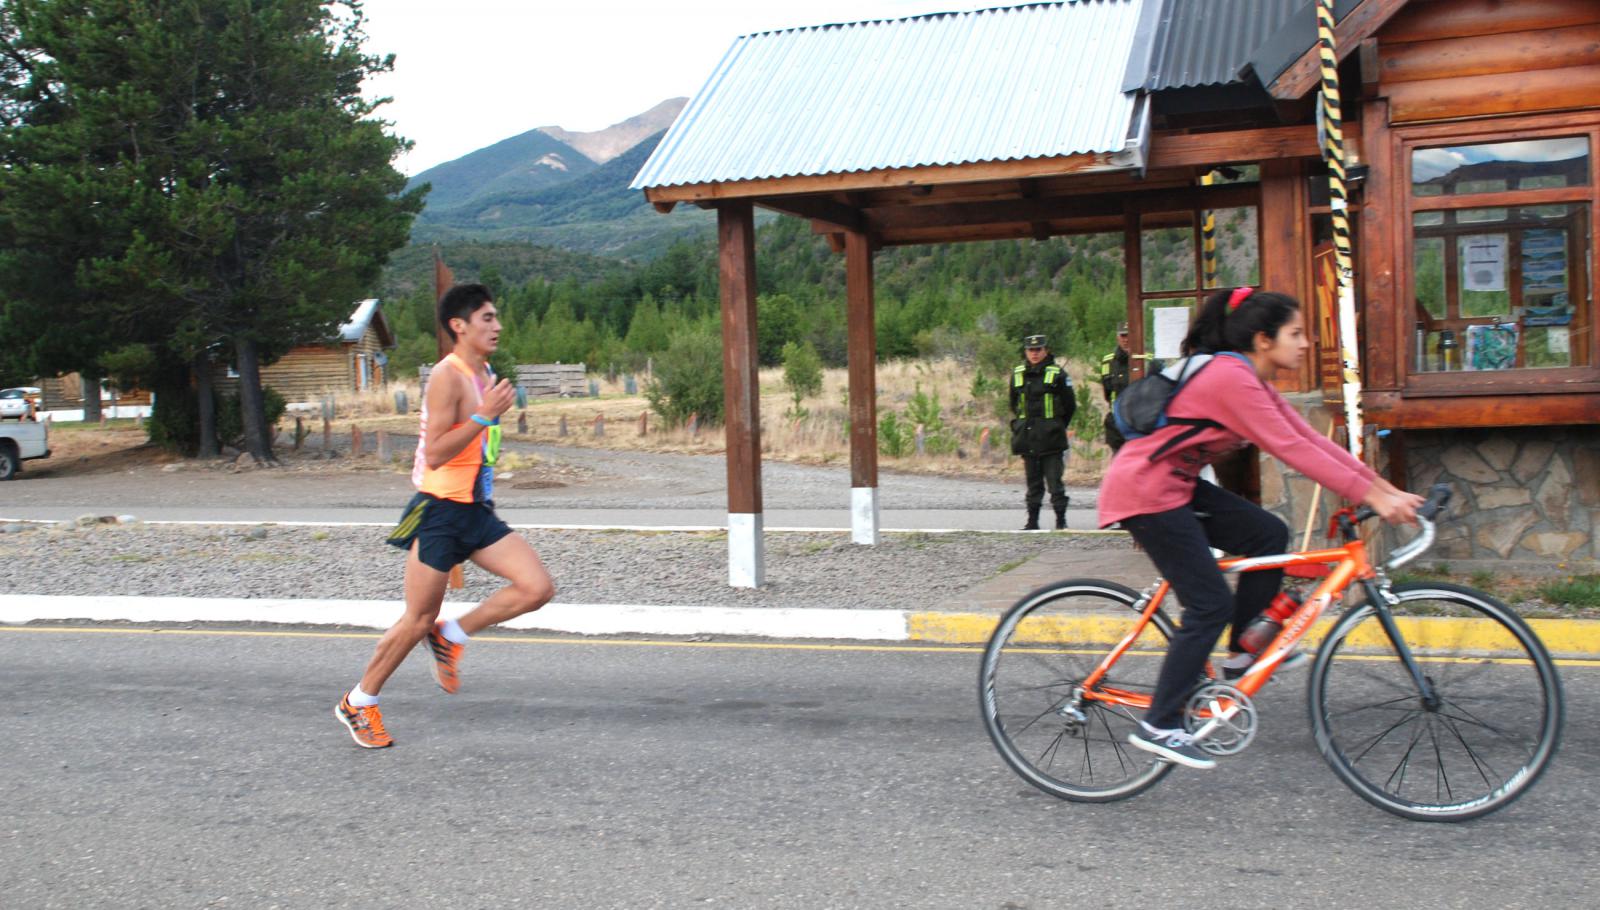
[601, 146]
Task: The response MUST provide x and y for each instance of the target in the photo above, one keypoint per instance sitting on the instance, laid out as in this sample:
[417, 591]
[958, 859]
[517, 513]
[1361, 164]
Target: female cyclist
[1153, 488]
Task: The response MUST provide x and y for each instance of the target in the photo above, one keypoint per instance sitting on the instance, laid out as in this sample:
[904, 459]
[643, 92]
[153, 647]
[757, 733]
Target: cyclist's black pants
[1179, 543]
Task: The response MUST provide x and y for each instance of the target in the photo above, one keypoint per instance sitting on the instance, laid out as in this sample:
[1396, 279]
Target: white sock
[453, 633]
[360, 699]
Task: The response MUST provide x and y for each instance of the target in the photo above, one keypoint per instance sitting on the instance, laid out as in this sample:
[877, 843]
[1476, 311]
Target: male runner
[452, 518]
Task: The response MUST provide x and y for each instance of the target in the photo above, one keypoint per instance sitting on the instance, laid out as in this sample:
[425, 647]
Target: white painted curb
[581, 619]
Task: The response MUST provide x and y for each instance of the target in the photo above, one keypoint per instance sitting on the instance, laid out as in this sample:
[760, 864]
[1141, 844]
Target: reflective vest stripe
[1050, 374]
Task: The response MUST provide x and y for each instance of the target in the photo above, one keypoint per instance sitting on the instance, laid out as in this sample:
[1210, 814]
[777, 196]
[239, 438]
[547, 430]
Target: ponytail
[1229, 320]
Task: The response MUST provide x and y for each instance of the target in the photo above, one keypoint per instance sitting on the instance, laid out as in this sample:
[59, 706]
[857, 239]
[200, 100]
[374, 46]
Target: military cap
[1033, 341]
[1122, 328]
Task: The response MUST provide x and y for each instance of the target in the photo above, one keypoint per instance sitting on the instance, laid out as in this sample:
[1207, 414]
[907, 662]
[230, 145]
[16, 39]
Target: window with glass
[1500, 254]
[1183, 257]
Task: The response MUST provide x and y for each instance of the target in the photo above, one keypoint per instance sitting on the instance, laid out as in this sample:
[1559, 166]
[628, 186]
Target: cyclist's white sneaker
[1175, 746]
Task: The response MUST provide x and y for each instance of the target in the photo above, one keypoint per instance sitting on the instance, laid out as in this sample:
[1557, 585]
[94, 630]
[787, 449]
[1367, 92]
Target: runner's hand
[498, 399]
[1393, 507]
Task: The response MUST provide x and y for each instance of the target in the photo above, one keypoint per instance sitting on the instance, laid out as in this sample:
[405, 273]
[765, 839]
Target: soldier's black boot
[1033, 519]
[1061, 517]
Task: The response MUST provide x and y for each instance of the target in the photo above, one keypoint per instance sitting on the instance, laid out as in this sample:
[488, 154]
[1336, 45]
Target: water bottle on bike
[1264, 628]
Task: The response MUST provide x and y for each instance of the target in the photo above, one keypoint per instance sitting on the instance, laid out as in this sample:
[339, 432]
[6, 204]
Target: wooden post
[644, 423]
[522, 424]
[694, 426]
[383, 446]
[561, 428]
[736, 260]
[327, 434]
[863, 372]
[1286, 251]
[599, 425]
[299, 432]
[355, 441]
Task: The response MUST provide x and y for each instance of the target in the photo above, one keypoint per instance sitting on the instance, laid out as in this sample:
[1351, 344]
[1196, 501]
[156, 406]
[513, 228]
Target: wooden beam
[1169, 150]
[736, 259]
[1364, 21]
[1380, 240]
[1466, 18]
[1285, 225]
[870, 180]
[1056, 208]
[861, 327]
[664, 207]
[819, 209]
[1567, 88]
[1390, 409]
[1479, 55]
[918, 236]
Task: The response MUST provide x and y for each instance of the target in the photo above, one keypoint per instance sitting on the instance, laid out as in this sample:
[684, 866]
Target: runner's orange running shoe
[446, 657]
[365, 724]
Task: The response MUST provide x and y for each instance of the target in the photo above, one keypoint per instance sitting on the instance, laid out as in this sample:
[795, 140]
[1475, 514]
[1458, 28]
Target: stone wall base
[1527, 498]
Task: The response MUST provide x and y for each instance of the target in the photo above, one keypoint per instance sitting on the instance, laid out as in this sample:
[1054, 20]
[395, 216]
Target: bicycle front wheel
[1033, 705]
[1483, 741]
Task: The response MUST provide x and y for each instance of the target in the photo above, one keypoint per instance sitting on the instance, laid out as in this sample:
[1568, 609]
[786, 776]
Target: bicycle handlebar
[1438, 498]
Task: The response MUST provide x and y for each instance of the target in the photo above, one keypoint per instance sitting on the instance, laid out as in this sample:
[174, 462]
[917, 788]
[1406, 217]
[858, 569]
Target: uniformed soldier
[1042, 400]
[1114, 376]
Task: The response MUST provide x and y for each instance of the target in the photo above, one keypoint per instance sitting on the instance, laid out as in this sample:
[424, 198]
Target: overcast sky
[469, 73]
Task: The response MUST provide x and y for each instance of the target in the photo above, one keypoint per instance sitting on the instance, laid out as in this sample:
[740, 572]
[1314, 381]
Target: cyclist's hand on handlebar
[1392, 505]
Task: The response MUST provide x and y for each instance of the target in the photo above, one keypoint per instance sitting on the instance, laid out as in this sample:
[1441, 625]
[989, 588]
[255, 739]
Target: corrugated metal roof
[359, 320]
[1205, 42]
[1192, 43]
[1003, 84]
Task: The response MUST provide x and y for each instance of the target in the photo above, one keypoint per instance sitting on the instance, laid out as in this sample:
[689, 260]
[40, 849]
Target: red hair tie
[1237, 297]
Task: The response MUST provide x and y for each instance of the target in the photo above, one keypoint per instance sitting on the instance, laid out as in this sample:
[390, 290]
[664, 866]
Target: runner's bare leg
[512, 558]
[424, 594]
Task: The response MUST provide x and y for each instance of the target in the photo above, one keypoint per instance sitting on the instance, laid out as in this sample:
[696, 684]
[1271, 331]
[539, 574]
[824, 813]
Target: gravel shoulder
[906, 571]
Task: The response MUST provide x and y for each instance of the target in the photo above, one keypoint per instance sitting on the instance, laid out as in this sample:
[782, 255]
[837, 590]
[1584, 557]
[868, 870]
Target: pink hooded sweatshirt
[1228, 391]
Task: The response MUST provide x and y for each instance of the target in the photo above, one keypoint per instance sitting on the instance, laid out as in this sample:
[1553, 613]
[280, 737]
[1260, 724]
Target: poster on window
[1483, 262]
[1172, 324]
[1492, 347]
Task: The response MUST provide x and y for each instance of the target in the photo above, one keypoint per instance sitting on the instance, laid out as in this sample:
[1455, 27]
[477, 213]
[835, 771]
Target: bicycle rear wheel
[1491, 732]
[1029, 690]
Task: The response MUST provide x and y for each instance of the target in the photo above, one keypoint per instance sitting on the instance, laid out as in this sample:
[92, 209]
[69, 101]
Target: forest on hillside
[938, 300]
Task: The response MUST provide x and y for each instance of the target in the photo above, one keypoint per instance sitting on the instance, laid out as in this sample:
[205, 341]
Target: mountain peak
[601, 146]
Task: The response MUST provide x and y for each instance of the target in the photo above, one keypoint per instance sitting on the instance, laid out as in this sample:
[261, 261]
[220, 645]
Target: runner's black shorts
[446, 531]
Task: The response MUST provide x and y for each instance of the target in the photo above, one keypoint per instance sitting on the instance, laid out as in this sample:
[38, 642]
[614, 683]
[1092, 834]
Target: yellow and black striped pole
[1332, 123]
[1208, 237]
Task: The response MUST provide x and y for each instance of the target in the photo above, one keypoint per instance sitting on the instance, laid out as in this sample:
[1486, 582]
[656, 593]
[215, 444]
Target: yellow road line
[1561, 636]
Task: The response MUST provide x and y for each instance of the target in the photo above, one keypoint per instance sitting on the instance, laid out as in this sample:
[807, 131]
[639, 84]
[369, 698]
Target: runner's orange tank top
[459, 478]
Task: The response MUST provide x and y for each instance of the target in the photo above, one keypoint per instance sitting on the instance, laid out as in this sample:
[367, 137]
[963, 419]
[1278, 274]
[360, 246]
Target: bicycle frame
[1349, 565]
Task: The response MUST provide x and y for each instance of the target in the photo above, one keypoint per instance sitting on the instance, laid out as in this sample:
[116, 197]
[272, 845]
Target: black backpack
[1141, 409]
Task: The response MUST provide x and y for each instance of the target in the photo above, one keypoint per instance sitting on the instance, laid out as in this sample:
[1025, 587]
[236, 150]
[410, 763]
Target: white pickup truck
[20, 442]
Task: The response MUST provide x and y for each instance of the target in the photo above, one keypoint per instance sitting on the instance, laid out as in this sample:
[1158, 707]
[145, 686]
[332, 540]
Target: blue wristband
[481, 420]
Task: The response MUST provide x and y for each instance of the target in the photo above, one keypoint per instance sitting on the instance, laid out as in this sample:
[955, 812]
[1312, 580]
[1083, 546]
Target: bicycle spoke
[1071, 747]
[1484, 740]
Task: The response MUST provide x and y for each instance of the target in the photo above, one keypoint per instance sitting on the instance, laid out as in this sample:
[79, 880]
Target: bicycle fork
[1383, 601]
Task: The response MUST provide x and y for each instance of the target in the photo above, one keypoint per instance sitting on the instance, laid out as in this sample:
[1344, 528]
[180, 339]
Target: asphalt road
[205, 770]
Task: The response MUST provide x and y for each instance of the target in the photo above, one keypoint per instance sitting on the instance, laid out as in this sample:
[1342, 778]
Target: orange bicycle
[1432, 701]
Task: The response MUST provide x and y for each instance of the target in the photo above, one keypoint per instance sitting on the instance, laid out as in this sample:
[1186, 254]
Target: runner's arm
[448, 399]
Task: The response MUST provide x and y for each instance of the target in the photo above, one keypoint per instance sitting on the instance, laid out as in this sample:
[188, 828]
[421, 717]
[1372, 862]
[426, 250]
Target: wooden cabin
[352, 362]
[1470, 127]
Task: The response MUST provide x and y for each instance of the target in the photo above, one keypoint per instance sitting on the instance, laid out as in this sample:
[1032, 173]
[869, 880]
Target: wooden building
[352, 362]
[1471, 129]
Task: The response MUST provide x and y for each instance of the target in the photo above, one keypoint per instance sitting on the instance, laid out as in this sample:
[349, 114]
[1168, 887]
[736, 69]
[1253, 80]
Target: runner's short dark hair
[460, 302]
